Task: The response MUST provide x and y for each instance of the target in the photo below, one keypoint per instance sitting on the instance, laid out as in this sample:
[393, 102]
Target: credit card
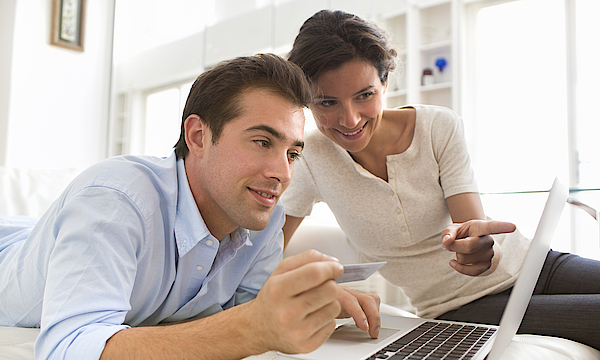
[358, 272]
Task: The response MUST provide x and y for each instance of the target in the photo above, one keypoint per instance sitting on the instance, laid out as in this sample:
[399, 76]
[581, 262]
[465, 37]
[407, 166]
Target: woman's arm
[464, 207]
[472, 252]
[294, 312]
[289, 228]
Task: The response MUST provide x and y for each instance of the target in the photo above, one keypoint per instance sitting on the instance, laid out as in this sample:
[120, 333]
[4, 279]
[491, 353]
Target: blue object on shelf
[441, 63]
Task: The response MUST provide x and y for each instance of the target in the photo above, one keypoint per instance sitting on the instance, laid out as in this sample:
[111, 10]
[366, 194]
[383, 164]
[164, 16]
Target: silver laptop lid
[534, 261]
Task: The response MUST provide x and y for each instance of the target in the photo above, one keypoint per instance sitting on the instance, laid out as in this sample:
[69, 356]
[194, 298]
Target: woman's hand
[473, 245]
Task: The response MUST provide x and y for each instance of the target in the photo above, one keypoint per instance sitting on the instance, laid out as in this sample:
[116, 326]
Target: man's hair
[216, 94]
[328, 39]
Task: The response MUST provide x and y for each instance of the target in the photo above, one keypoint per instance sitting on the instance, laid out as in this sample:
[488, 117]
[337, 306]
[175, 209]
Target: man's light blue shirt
[125, 245]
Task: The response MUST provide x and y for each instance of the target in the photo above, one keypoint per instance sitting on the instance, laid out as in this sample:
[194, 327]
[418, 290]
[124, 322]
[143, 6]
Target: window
[587, 123]
[588, 80]
[517, 116]
[163, 119]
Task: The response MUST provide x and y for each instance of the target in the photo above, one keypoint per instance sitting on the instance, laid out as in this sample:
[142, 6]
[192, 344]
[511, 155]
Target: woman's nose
[350, 117]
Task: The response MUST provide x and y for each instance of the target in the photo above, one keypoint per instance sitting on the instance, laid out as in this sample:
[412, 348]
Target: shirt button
[199, 267]
[392, 192]
[403, 229]
[209, 242]
[398, 210]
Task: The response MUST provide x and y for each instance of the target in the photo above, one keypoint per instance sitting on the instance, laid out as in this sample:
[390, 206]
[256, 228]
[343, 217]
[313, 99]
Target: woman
[400, 184]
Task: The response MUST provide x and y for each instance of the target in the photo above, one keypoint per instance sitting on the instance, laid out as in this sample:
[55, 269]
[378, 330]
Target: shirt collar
[189, 225]
[240, 237]
[190, 228]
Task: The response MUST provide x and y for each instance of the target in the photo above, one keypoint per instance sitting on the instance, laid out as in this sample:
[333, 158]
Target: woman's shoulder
[319, 149]
[315, 141]
[430, 110]
[435, 116]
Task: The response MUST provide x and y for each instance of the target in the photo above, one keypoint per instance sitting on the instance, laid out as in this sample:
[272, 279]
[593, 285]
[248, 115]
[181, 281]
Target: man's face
[242, 176]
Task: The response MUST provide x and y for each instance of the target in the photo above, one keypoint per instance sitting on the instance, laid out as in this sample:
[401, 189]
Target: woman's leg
[566, 302]
[565, 273]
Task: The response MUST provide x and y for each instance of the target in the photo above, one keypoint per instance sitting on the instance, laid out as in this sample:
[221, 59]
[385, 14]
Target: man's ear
[197, 135]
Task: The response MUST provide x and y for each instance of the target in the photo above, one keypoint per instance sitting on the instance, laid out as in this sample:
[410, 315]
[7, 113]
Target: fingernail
[366, 324]
[330, 258]
[453, 263]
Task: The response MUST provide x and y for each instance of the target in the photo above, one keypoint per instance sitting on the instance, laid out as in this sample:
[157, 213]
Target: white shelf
[422, 34]
[424, 4]
[396, 93]
[436, 87]
[437, 46]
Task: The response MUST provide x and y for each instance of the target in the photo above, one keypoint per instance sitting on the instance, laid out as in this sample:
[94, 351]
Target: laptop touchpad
[349, 332]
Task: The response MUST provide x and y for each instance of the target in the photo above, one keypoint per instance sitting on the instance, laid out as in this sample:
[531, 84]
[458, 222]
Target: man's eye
[294, 156]
[262, 143]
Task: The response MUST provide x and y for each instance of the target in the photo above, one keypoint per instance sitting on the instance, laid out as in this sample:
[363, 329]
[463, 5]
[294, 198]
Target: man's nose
[281, 168]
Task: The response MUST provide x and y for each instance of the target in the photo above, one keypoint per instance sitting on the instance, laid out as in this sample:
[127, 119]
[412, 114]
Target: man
[135, 242]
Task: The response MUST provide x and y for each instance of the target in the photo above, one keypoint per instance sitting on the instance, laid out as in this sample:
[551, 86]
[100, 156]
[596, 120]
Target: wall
[7, 15]
[54, 110]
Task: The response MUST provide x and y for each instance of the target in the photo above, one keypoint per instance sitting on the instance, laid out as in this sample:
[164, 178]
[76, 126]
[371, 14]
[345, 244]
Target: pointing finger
[481, 228]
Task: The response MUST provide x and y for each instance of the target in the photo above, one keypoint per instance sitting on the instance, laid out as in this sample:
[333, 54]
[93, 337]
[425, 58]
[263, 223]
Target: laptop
[415, 338]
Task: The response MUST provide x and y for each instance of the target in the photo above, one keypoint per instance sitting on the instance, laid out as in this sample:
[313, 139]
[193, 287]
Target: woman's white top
[400, 221]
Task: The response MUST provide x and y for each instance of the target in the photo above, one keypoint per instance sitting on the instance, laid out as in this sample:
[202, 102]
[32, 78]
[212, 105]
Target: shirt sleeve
[302, 193]
[91, 270]
[450, 149]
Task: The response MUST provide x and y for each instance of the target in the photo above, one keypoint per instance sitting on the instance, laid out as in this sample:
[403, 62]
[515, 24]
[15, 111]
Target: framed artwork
[68, 20]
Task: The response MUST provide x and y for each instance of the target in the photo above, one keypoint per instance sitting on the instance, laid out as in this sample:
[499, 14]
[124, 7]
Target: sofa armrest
[31, 191]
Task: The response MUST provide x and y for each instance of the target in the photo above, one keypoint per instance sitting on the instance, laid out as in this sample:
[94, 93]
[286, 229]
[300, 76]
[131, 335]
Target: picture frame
[68, 23]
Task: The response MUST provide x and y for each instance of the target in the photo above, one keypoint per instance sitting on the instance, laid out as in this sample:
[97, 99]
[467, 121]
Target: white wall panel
[364, 9]
[59, 98]
[179, 60]
[243, 35]
[383, 9]
[289, 17]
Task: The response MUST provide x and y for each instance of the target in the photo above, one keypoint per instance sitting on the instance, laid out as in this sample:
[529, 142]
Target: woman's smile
[354, 133]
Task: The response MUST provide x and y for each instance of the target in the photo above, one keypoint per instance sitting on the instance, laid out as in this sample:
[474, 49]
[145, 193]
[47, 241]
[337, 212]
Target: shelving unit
[423, 33]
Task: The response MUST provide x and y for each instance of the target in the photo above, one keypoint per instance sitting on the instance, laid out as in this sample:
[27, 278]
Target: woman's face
[349, 104]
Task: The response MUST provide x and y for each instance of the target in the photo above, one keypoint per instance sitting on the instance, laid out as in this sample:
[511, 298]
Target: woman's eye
[366, 95]
[326, 103]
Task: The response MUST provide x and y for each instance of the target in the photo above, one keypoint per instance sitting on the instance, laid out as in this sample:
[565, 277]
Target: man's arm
[363, 307]
[294, 312]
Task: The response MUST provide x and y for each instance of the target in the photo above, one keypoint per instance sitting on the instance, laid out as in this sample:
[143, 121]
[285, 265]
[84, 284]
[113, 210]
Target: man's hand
[295, 310]
[473, 245]
[364, 308]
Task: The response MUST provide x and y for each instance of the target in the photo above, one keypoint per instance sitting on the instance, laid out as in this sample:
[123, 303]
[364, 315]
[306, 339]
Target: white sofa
[31, 191]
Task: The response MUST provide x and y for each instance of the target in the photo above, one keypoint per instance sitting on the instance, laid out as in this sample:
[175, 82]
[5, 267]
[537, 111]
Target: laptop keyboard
[433, 340]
